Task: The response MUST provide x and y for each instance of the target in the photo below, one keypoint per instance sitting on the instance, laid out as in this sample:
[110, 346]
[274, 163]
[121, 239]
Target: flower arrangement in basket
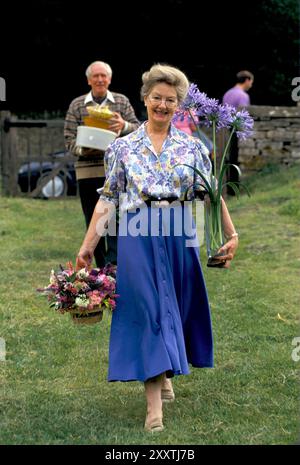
[210, 113]
[84, 293]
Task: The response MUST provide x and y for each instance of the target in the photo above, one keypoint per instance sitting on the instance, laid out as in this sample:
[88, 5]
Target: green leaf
[208, 187]
[246, 188]
[221, 176]
[220, 180]
[234, 186]
[187, 191]
[71, 278]
[236, 167]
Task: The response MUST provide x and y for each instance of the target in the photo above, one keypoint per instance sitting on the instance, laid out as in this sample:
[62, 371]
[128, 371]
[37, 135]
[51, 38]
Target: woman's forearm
[102, 215]
[228, 225]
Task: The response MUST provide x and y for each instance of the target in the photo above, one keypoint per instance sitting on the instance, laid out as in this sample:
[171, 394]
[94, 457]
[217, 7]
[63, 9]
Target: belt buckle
[161, 203]
[164, 203]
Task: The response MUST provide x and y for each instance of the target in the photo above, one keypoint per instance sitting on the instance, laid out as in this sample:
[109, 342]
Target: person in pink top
[186, 124]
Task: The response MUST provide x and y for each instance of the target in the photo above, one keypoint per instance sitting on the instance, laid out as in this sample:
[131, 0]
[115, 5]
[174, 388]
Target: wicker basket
[87, 317]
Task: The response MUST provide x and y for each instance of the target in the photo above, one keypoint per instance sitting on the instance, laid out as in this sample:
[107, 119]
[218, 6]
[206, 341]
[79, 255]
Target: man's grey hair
[106, 66]
[168, 74]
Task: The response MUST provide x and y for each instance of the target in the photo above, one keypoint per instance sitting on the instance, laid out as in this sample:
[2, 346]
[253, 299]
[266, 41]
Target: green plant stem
[195, 124]
[226, 149]
[215, 216]
[219, 218]
[214, 149]
[214, 224]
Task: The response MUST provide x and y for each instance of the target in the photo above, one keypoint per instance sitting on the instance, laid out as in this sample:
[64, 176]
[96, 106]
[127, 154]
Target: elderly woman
[161, 323]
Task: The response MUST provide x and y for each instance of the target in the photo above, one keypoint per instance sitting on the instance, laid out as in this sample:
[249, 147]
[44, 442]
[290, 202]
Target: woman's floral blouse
[134, 172]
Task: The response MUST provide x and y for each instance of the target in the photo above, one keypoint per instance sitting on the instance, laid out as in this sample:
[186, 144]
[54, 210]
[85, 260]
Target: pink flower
[112, 303]
[95, 298]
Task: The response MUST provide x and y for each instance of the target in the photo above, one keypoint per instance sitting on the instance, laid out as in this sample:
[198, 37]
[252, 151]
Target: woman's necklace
[157, 139]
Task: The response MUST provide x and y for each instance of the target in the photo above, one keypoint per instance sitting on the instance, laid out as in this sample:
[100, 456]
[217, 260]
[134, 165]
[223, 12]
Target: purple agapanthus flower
[212, 112]
[242, 123]
[194, 99]
[209, 111]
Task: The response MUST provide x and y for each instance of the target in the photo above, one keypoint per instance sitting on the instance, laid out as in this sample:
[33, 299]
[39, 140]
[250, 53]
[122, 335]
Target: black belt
[154, 201]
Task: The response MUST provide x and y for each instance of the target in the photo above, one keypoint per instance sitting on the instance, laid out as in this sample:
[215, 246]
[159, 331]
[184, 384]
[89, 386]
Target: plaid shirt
[91, 165]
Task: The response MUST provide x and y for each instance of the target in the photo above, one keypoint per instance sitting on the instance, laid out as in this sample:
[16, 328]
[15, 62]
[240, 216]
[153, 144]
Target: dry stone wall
[276, 138]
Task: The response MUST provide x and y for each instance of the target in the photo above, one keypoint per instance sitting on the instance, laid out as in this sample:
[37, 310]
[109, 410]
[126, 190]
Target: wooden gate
[35, 163]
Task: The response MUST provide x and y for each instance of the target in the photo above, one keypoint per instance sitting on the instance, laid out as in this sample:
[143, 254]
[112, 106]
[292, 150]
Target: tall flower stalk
[210, 113]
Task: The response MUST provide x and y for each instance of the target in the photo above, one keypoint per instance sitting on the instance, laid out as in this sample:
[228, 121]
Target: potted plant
[210, 113]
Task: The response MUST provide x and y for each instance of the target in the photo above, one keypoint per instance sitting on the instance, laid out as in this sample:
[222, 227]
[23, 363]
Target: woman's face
[161, 103]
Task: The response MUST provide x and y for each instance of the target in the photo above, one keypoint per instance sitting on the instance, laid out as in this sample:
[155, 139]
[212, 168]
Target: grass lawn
[53, 387]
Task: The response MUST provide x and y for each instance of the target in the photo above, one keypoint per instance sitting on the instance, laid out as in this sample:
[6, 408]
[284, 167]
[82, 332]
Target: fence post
[9, 164]
[13, 161]
[4, 165]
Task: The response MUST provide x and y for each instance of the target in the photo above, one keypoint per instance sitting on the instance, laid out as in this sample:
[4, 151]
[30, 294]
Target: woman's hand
[228, 250]
[84, 258]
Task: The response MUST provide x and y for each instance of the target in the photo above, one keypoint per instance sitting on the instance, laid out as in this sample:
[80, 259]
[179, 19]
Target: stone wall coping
[258, 111]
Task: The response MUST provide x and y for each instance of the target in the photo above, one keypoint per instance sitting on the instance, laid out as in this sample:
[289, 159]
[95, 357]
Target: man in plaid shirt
[89, 166]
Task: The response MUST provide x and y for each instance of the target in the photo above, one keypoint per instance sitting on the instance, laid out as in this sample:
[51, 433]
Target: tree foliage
[49, 44]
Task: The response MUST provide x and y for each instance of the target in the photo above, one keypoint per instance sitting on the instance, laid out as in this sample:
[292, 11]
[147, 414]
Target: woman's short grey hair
[106, 66]
[167, 74]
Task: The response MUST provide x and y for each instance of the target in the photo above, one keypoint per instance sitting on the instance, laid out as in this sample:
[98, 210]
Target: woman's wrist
[232, 236]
